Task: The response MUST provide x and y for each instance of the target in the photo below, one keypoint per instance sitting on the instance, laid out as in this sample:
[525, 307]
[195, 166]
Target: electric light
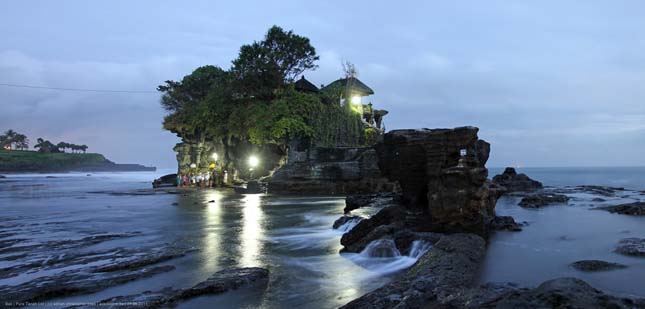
[214, 156]
[193, 165]
[356, 100]
[253, 161]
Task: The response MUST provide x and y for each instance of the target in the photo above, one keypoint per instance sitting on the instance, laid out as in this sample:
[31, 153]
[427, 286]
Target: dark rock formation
[220, 282]
[3, 176]
[368, 200]
[631, 246]
[330, 171]
[556, 293]
[600, 190]
[169, 180]
[344, 219]
[633, 209]
[514, 182]
[596, 265]
[448, 268]
[542, 200]
[442, 172]
[505, 223]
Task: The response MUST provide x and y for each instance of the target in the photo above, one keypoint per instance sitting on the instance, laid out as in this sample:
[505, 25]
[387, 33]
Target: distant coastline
[24, 161]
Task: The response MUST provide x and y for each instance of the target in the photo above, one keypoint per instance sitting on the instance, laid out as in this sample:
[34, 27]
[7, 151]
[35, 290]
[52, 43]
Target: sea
[290, 236]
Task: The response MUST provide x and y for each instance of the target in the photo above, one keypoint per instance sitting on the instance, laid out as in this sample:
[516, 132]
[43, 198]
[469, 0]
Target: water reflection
[252, 231]
[211, 246]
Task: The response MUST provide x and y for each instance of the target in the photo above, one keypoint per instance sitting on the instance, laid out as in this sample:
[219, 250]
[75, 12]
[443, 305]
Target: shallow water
[291, 236]
[559, 235]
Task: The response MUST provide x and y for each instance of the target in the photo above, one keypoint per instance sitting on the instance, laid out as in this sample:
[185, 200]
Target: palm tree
[21, 141]
[83, 148]
[62, 146]
[9, 138]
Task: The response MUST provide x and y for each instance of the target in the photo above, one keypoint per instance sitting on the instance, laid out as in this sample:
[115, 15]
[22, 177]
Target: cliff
[20, 161]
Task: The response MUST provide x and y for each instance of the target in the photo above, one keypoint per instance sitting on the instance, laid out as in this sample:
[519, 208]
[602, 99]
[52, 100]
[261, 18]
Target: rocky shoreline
[447, 201]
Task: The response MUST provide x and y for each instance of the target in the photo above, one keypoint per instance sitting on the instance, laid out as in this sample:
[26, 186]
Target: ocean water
[558, 235]
[292, 237]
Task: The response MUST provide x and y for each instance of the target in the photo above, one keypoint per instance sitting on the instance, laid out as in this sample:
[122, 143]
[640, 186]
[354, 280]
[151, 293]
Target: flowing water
[291, 236]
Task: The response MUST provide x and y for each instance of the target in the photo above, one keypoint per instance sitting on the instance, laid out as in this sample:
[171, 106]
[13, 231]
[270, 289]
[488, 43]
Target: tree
[262, 67]
[83, 148]
[8, 138]
[62, 146]
[45, 146]
[21, 141]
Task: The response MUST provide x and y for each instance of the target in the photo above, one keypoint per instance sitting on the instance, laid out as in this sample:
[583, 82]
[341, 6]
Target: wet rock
[73, 282]
[441, 173]
[600, 190]
[506, 223]
[631, 246]
[220, 282]
[542, 200]
[599, 200]
[596, 265]
[632, 209]
[344, 219]
[514, 182]
[368, 200]
[559, 293]
[386, 222]
[3, 176]
[442, 273]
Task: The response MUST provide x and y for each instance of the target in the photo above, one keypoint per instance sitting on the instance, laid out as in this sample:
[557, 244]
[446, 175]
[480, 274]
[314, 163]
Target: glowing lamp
[253, 161]
[214, 156]
[356, 100]
[193, 165]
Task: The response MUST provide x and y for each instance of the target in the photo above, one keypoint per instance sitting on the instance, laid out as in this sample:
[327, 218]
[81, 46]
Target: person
[207, 181]
[178, 180]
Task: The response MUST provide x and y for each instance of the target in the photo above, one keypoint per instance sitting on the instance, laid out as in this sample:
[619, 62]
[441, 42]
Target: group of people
[206, 180]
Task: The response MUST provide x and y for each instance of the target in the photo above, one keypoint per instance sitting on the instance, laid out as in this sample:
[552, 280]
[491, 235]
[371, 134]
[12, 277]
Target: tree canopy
[255, 99]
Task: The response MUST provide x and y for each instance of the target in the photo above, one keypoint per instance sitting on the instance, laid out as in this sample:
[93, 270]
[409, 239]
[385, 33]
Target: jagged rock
[364, 200]
[344, 219]
[559, 293]
[633, 209]
[385, 222]
[443, 272]
[220, 282]
[542, 200]
[505, 223]
[596, 265]
[600, 190]
[631, 246]
[514, 182]
[441, 172]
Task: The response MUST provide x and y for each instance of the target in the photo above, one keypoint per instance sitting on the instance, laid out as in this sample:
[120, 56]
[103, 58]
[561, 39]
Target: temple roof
[354, 85]
[304, 85]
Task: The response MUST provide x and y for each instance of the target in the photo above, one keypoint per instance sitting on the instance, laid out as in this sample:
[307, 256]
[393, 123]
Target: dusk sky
[549, 83]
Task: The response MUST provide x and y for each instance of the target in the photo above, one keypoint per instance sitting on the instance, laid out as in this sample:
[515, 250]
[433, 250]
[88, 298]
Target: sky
[549, 83]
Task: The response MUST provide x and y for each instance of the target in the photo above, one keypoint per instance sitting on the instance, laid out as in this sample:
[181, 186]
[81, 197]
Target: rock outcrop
[542, 200]
[447, 269]
[632, 209]
[514, 182]
[596, 265]
[631, 246]
[330, 171]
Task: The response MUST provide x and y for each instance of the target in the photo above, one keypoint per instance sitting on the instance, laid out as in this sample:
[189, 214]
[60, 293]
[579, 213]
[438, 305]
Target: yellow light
[253, 161]
[356, 100]
[214, 156]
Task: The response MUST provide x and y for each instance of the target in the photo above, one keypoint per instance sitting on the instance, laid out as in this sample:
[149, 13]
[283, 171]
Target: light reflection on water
[211, 247]
[252, 231]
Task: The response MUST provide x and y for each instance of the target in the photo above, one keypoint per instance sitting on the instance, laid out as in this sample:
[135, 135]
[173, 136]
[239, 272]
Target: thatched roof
[304, 85]
[355, 86]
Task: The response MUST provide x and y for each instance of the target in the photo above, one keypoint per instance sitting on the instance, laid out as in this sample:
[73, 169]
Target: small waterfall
[381, 248]
[419, 248]
[350, 224]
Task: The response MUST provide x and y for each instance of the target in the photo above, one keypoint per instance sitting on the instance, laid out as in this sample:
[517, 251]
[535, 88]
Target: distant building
[305, 86]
